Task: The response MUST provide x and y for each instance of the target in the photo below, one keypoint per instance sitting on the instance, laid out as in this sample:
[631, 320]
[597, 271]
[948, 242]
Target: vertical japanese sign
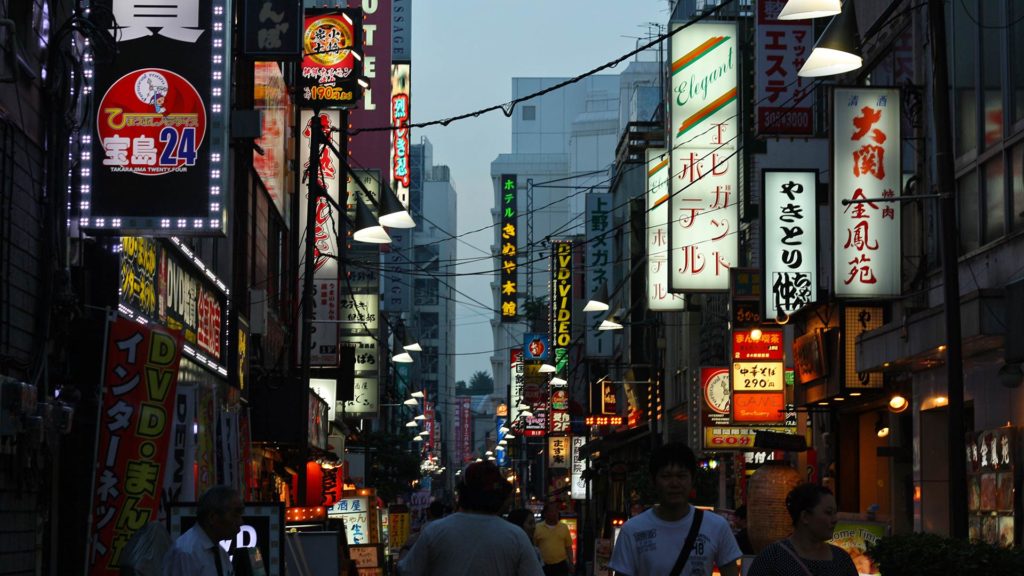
[324, 341]
[598, 268]
[790, 222]
[332, 43]
[659, 298]
[559, 453]
[704, 135]
[500, 453]
[782, 103]
[157, 159]
[758, 376]
[429, 425]
[561, 281]
[272, 29]
[465, 430]
[135, 421]
[517, 382]
[370, 149]
[856, 321]
[139, 275]
[578, 490]
[401, 108]
[508, 242]
[270, 97]
[354, 514]
[866, 173]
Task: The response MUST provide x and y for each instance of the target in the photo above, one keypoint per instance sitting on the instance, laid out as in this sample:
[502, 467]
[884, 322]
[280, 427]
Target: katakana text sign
[790, 222]
[598, 267]
[704, 132]
[659, 298]
[136, 417]
[154, 155]
[866, 172]
[783, 100]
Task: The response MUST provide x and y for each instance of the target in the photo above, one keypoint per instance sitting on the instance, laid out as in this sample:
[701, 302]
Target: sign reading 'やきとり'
[154, 152]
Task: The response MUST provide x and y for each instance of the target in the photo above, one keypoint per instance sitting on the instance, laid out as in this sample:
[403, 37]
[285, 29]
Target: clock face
[717, 392]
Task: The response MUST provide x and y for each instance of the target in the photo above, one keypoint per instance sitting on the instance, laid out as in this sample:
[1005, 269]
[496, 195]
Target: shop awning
[913, 343]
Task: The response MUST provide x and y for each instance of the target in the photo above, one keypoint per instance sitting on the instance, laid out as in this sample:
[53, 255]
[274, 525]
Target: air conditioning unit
[258, 306]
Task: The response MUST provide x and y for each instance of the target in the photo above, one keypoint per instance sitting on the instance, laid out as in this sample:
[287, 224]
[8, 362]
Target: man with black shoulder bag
[674, 538]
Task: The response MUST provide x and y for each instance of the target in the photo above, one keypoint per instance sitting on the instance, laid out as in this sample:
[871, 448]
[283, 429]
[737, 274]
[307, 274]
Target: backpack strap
[691, 538]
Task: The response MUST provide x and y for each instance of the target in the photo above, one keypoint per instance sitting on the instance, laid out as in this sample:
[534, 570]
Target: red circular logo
[536, 348]
[151, 121]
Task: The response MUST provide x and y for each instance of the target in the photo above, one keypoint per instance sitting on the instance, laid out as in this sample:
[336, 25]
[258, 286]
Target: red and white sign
[759, 407]
[784, 103]
[767, 346]
[151, 122]
[518, 381]
[866, 161]
[717, 391]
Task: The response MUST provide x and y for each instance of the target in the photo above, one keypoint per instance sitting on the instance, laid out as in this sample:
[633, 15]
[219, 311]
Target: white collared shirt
[192, 555]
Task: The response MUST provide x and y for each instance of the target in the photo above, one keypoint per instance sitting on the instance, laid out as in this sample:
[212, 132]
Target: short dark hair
[551, 504]
[673, 454]
[483, 489]
[216, 500]
[519, 516]
[435, 510]
[804, 497]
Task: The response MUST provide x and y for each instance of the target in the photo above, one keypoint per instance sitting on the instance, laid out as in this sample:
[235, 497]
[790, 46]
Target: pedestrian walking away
[475, 540]
[674, 538]
[523, 517]
[197, 552]
[806, 552]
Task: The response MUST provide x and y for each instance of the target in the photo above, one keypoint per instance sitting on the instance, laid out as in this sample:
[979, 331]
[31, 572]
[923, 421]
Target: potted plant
[930, 554]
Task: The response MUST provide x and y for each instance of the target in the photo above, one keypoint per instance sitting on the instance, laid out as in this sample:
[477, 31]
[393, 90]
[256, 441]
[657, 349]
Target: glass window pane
[967, 194]
[995, 199]
[992, 71]
[1017, 154]
[1016, 35]
[963, 57]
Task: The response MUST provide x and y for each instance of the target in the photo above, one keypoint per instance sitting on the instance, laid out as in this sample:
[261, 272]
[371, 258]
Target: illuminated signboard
[578, 489]
[659, 298]
[866, 161]
[599, 269]
[371, 149]
[603, 420]
[508, 247]
[703, 236]
[262, 528]
[758, 377]
[154, 156]
[559, 454]
[768, 345]
[400, 114]
[517, 381]
[164, 282]
[758, 407]
[790, 220]
[561, 282]
[331, 60]
[270, 97]
[783, 100]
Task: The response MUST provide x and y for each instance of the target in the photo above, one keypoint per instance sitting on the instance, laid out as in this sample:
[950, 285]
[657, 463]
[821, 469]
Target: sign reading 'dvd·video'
[154, 154]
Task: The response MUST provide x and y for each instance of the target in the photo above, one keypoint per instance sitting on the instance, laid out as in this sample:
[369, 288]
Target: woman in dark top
[807, 551]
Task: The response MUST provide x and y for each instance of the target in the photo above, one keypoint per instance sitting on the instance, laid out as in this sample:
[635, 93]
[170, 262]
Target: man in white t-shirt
[649, 543]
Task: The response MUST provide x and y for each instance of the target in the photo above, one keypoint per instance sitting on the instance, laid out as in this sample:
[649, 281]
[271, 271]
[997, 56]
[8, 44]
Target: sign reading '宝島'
[154, 162]
[508, 205]
[866, 190]
[790, 240]
[704, 135]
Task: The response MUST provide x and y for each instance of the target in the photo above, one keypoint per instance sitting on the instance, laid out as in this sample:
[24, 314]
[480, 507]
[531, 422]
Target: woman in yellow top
[555, 543]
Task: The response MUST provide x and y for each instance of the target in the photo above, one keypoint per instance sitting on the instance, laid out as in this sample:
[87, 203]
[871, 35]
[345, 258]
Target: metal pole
[950, 270]
[312, 196]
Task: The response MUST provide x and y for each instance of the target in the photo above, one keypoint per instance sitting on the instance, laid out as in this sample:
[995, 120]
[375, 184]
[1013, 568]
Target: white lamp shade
[559, 381]
[509, 435]
[595, 306]
[802, 9]
[488, 453]
[609, 324]
[411, 402]
[503, 430]
[419, 417]
[402, 358]
[547, 368]
[829, 62]
[417, 438]
[417, 394]
[412, 424]
[400, 219]
[372, 235]
[414, 347]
